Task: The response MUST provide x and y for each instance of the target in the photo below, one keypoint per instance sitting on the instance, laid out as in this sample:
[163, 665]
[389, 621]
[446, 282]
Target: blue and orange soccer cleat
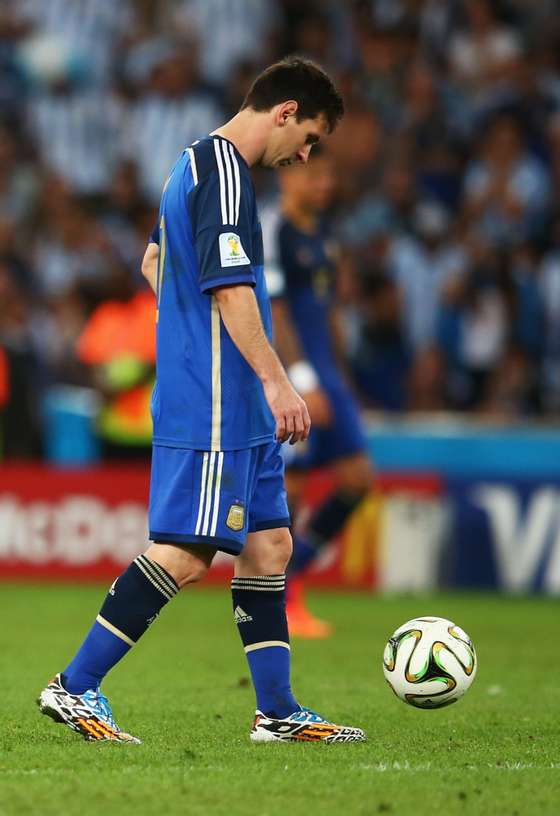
[302, 726]
[89, 713]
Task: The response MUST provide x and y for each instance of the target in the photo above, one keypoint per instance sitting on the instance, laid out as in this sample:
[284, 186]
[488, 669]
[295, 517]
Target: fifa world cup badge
[236, 517]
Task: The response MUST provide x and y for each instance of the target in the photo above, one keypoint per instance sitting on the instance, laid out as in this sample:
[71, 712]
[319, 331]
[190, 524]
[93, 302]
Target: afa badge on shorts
[236, 517]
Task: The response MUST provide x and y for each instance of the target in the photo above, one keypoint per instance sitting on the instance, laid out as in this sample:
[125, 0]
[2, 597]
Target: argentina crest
[236, 517]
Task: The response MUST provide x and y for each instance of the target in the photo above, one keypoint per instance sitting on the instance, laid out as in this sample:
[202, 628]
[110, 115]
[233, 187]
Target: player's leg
[301, 622]
[136, 597]
[133, 602]
[259, 604]
[342, 446]
[258, 595]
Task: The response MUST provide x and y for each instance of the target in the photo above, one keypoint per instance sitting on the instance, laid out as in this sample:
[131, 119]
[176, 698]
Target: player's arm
[150, 259]
[286, 339]
[149, 264]
[301, 373]
[240, 314]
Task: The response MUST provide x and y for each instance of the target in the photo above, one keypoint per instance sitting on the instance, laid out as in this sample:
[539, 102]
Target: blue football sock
[134, 601]
[303, 554]
[259, 608]
[326, 522]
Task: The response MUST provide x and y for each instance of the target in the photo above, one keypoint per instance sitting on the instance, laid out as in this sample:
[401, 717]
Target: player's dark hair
[299, 79]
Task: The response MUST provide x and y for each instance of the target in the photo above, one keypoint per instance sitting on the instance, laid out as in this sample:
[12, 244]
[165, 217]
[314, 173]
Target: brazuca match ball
[429, 662]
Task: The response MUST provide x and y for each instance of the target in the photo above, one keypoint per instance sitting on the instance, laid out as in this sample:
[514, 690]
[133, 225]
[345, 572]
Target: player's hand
[319, 407]
[293, 422]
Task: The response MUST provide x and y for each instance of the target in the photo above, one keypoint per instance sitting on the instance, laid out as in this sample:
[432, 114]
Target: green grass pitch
[184, 690]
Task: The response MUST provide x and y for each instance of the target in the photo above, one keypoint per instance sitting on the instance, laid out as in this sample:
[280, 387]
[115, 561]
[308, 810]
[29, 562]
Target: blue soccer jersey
[301, 268]
[207, 397]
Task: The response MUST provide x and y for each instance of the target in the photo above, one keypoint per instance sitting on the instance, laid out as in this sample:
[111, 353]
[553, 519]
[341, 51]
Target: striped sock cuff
[157, 576]
[260, 583]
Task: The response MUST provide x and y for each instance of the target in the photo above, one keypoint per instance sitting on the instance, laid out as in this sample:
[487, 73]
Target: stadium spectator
[228, 32]
[172, 109]
[448, 163]
[484, 54]
[381, 361]
[506, 188]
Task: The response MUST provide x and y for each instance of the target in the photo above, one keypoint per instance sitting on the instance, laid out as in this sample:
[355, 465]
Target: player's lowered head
[290, 107]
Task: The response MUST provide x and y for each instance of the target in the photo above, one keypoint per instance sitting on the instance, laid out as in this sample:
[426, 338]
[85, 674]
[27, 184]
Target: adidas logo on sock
[241, 616]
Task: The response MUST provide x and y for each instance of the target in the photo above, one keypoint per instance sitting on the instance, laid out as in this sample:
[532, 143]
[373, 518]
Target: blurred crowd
[448, 199]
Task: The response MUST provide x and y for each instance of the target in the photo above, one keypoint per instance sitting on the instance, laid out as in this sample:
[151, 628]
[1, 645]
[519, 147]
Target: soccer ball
[429, 662]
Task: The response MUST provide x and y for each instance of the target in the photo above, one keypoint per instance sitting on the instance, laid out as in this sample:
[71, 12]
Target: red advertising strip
[87, 525]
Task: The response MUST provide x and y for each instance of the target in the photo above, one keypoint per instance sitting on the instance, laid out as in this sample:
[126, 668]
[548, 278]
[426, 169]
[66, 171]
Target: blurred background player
[301, 279]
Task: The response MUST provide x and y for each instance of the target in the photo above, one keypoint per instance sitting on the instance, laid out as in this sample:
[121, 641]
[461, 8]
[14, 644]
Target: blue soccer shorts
[344, 436]
[216, 498]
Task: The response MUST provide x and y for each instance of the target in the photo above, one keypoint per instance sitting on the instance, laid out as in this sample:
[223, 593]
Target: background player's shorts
[197, 497]
[343, 437]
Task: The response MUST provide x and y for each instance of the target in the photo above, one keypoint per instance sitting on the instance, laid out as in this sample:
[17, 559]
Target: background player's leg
[354, 476]
[132, 604]
[258, 594]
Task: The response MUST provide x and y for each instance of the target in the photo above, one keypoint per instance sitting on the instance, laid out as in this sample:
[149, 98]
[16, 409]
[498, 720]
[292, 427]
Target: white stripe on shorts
[202, 494]
[217, 494]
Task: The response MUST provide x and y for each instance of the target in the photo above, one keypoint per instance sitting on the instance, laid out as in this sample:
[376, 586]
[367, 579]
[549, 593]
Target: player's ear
[285, 111]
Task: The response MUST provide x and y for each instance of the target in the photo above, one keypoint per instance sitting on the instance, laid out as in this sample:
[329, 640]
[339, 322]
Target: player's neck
[303, 219]
[248, 132]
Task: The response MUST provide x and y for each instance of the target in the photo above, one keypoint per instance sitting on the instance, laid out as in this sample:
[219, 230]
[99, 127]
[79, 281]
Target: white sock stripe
[265, 644]
[279, 577]
[258, 583]
[209, 481]
[219, 162]
[162, 574]
[153, 579]
[230, 184]
[217, 494]
[202, 494]
[261, 588]
[237, 182]
[101, 620]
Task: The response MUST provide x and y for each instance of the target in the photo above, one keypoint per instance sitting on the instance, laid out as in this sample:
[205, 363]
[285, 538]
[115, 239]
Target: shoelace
[100, 705]
[310, 716]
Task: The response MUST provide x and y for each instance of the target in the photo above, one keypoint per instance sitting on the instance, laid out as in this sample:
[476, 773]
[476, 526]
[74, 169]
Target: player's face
[292, 142]
[311, 185]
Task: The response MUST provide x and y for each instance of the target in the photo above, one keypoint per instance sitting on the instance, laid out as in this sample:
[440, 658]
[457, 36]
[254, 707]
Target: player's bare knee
[276, 555]
[355, 475]
[186, 565]
[193, 572]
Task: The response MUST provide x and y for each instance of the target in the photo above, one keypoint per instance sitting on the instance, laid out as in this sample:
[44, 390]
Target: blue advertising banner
[504, 534]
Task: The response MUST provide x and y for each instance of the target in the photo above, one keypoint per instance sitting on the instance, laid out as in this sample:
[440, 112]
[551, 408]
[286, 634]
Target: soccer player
[222, 405]
[301, 265]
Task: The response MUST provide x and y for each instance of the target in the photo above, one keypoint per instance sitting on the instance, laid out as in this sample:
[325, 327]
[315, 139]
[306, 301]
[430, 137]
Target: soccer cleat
[89, 713]
[302, 726]
[302, 624]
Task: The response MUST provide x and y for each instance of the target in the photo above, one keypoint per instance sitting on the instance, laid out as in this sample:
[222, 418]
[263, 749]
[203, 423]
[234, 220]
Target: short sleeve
[154, 235]
[222, 212]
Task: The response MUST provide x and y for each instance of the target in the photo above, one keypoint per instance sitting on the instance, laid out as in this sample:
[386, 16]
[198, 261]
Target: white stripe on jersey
[216, 428]
[219, 162]
[230, 183]
[237, 182]
[229, 176]
[190, 151]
